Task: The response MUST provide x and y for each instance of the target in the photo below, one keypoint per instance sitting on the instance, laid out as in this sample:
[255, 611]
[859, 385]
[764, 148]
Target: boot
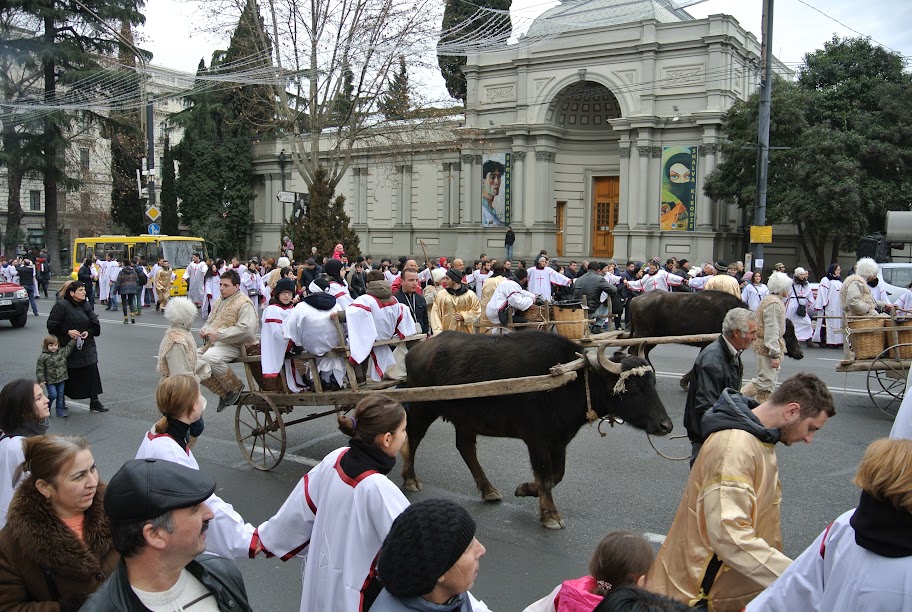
[126, 319]
[96, 406]
[132, 320]
[750, 390]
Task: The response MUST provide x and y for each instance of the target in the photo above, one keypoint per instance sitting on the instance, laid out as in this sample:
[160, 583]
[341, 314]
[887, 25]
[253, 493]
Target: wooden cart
[886, 370]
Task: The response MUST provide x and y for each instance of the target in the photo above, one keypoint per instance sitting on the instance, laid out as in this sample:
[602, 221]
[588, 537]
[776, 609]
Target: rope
[663, 455]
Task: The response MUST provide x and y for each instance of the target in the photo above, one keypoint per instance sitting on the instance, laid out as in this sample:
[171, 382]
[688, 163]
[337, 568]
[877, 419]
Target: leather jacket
[592, 284]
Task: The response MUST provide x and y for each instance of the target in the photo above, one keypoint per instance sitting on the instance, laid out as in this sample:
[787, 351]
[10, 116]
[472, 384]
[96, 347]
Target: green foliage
[455, 13]
[396, 102]
[168, 204]
[249, 107]
[847, 128]
[127, 150]
[326, 222]
[343, 105]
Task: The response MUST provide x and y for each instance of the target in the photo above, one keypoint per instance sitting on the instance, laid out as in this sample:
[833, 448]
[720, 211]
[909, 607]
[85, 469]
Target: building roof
[574, 14]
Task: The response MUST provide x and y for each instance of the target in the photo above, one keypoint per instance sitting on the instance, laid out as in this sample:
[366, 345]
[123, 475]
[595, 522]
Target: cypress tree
[169, 218]
[396, 103]
[459, 12]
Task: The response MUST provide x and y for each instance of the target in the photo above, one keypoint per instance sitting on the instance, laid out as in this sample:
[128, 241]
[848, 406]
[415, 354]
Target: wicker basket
[867, 345]
[574, 313]
[905, 337]
[273, 384]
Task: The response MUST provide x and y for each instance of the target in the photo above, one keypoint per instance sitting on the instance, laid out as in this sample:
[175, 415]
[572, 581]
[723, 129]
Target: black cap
[144, 489]
[311, 261]
[455, 276]
[285, 284]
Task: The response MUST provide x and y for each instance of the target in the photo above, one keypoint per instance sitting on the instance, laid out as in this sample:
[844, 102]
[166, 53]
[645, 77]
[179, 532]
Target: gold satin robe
[443, 314]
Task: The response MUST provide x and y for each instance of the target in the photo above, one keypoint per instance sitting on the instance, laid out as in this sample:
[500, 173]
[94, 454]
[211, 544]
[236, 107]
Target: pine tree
[326, 222]
[169, 218]
[396, 103]
[251, 107]
[459, 12]
[344, 101]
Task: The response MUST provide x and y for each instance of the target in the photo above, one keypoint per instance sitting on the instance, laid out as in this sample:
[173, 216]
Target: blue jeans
[55, 392]
[509, 248]
[31, 295]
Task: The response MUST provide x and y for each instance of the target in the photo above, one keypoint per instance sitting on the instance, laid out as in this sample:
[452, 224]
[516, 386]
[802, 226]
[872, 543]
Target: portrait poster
[495, 189]
[679, 189]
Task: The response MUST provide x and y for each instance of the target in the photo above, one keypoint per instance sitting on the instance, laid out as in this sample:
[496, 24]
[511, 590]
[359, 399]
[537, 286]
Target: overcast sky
[798, 29]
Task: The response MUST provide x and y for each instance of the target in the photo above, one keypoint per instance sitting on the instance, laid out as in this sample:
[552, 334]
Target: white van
[895, 277]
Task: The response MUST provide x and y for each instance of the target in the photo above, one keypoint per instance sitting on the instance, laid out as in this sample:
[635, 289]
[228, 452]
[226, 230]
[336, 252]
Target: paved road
[612, 483]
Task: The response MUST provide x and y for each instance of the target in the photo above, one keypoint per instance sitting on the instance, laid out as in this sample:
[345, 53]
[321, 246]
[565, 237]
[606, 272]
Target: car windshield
[898, 277]
[179, 252]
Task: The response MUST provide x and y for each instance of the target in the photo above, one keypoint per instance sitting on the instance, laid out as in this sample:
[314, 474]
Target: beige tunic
[443, 315]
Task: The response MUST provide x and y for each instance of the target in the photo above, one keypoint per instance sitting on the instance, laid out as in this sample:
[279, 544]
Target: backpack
[141, 278]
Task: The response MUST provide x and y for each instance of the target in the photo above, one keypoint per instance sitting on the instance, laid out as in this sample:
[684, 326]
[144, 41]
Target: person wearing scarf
[456, 308]
[311, 327]
[829, 304]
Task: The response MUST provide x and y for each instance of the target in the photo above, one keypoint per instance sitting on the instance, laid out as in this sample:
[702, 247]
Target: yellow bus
[178, 250]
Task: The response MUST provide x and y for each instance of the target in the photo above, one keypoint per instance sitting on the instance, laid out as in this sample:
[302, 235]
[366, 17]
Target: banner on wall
[495, 189]
[679, 189]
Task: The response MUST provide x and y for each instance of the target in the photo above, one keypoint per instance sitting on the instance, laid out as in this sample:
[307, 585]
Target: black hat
[285, 284]
[455, 276]
[721, 266]
[424, 542]
[144, 489]
[311, 261]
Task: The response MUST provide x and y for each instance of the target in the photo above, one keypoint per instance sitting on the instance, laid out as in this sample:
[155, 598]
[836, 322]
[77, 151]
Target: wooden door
[605, 205]
[560, 223]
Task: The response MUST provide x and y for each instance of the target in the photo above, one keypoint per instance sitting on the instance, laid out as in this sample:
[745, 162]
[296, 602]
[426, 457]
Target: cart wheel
[259, 430]
[887, 381]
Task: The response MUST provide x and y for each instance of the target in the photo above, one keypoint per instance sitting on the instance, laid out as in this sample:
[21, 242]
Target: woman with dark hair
[633, 599]
[343, 510]
[24, 412]
[56, 548]
[87, 276]
[210, 288]
[73, 318]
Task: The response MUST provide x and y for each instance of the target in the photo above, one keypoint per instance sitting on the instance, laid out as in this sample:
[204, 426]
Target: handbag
[802, 309]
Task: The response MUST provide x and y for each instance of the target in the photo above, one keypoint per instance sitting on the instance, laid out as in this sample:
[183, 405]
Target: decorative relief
[500, 93]
[478, 159]
[655, 152]
[643, 151]
[624, 152]
[519, 155]
[681, 76]
[545, 156]
[539, 84]
[709, 148]
[627, 76]
[455, 167]
[468, 159]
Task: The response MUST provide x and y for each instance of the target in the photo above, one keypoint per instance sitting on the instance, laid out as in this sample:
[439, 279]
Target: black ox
[545, 420]
[660, 313]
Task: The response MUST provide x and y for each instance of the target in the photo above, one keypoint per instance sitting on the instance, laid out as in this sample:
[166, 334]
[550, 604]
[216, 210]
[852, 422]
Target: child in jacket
[52, 370]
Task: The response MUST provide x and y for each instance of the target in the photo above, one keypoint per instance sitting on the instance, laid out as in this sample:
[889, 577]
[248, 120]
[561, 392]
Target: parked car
[895, 277]
[14, 304]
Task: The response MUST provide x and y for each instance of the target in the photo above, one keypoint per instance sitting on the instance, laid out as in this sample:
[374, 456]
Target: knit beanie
[425, 541]
[285, 284]
[455, 276]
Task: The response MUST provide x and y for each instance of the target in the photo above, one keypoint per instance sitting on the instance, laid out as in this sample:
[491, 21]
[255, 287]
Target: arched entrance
[582, 109]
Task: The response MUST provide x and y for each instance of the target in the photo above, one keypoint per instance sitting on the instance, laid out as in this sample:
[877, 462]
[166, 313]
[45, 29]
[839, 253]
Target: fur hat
[779, 283]
[437, 274]
[284, 262]
[424, 542]
[180, 311]
[800, 270]
[285, 284]
[866, 267]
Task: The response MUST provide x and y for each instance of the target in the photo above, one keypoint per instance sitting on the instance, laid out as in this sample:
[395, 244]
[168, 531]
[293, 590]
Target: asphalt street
[616, 482]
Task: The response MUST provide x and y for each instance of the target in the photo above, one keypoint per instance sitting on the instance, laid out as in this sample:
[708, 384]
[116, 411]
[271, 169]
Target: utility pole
[766, 87]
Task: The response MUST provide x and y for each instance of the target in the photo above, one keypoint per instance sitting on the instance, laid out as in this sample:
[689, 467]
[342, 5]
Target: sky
[797, 28]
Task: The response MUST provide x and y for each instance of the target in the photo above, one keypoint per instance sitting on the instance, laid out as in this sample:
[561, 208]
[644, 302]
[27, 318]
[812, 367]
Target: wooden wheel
[259, 430]
[887, 380]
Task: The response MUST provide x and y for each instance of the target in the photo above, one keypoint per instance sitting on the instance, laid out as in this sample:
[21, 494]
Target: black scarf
[30, 428]
[320, 301]
[462, 289]
[179, 431]
[873, 282]
[881, 528]
[363, 457]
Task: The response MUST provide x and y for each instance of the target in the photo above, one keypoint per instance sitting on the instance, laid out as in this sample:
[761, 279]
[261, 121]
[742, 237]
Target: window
[61, 201]
[34, 200]
[36, 237]
[84, 159]
[85, 199]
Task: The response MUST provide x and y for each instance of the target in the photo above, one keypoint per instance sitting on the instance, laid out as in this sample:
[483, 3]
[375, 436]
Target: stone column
[624, 187]
[516, 184]
[446, 178]
[405, 195]
[705, 220]
[544, 162]
[652, 200]
[643, 152]
[471, 188]
[453, 186]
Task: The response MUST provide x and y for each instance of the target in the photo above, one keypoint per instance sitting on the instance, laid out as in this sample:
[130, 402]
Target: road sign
[154, 229]
[288, 197]
[761, 234]
[153, 213]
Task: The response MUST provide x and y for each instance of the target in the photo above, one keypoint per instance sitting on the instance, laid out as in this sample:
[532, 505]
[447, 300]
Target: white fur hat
[283, 262]
[866, 267]
[800, 270]
[779, 283]
[180, 311]
[437, 274]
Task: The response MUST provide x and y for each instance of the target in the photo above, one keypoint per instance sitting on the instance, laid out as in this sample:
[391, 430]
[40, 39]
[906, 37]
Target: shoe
[156, 308]
[223, 403]
[811, 344]
[96, 406]
[132, 320]
[230, 400]
[62, 415]
[138, 313]
[125, 320]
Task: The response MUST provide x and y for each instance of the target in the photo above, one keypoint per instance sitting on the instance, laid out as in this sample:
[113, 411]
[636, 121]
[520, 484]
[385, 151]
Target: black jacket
[67, 315]
[219, 576]
[416, 304]
[26, 276]
[308, 276]
[592, 284]
[713, 371]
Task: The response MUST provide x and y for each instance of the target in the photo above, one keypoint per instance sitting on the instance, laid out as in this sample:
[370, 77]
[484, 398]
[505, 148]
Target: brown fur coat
[43, 565]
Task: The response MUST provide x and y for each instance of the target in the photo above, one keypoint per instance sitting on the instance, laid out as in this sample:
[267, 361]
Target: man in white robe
[104, 287]
[111, 273]
[542, 276]
[195, 276]
[800, 294]
[509, 294]
[377, 316]
[655, 280]
[310, 326]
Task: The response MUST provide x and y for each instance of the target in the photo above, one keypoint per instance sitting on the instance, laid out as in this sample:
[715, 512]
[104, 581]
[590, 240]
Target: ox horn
[606, 363]
[592, 356]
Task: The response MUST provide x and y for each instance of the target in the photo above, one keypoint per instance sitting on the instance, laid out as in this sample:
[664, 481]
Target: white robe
[195, 276]
[845, 578]
[752, 294]
[698, 283]
[660, 281]
[104, 287]
[273, 346]
[829, 304]
[803, 329]
[11, 456]
[540, 280]
[313, 330]
[211, 293]
[251, 281]
[480, 277]
[368, 320]
[902, 425]
[508, 292]
[904, 305]
[111, 273]
[341, 523]
[228, 535]
[341, 293]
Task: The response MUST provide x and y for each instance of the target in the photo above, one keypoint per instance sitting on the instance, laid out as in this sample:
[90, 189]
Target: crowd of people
[157, 536]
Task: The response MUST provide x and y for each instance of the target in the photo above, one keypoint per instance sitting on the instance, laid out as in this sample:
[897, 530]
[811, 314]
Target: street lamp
[283, 159]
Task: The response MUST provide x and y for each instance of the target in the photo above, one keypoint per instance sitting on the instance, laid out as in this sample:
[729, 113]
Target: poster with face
[679, 189]
[495, 189]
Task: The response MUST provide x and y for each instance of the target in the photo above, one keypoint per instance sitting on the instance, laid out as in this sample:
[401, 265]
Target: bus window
[117, 250]
[80, 253]
[140, 248]
[179, 252]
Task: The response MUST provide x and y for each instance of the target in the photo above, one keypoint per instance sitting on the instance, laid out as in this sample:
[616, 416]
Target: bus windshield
[179, 252]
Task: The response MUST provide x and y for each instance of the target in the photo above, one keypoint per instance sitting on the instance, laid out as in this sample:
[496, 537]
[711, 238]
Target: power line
[830, 17]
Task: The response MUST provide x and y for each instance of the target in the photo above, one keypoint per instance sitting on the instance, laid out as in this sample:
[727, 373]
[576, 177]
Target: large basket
[867, 345]
[273, 384]
[575, 318]
[905, 337]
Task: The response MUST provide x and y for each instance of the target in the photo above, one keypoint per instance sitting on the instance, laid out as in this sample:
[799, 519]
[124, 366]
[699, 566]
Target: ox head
[628, 386]
[792, 345]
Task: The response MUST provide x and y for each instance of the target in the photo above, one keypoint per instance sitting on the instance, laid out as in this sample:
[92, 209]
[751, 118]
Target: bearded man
[455, 308]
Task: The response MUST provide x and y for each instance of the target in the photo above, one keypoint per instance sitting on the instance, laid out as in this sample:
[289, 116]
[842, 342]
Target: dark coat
[592, 284]
[52, 367]
[127, 281]
[420, 306]
[714, 370]
[42, 560]
[67, 315]
[220, 576]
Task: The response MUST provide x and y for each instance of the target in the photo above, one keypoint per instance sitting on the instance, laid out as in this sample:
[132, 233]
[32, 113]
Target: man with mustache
[159, 518]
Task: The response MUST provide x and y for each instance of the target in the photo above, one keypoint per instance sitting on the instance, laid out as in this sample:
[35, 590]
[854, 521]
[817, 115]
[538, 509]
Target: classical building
[600, 137]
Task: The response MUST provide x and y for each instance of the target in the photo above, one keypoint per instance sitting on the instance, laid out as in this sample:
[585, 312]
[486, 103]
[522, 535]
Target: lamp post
[283, 159]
